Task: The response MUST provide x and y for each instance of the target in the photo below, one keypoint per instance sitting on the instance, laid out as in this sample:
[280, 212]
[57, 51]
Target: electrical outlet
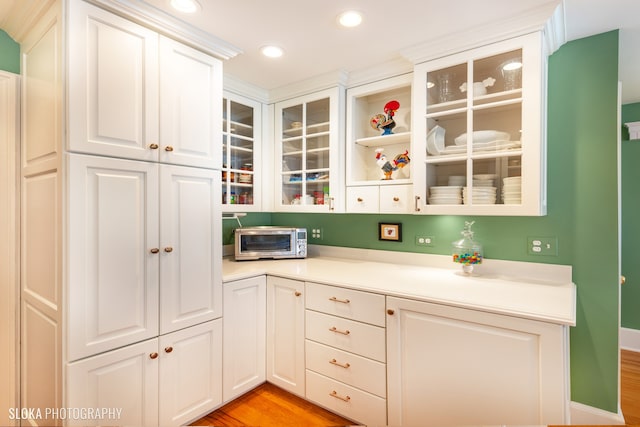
[542, 246]
[425, 241]
[316, 233]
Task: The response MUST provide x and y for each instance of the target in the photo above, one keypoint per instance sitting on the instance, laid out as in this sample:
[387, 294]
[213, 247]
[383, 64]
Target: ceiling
[315, 45]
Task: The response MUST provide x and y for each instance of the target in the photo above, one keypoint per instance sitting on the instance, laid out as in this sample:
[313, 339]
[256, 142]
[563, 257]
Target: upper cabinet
[309, 167]
[379, 147]
[241, 153]
[138, 95]
[479, 131]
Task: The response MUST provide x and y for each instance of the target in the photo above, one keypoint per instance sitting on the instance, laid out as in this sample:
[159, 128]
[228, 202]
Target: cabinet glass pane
[292, 122]
[241, 120]
[237, 153]
[443, 133]
[318, 116]
[498, 75]
[445, 182]
[443, 88]
[495, 129]
[496, 181]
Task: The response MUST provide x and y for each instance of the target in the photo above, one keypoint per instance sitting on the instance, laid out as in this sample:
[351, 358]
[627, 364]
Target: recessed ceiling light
[272, 51]
[350, 18]
[185, 6]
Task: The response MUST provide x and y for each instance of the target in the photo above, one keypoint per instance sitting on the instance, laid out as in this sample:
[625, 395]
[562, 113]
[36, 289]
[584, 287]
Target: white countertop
[530, 298]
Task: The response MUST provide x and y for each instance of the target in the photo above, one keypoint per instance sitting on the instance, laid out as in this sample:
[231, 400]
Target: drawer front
[362, 199]
[348, 303]
[355, 337]
[348, 401]
[349, 368]
[396, 199]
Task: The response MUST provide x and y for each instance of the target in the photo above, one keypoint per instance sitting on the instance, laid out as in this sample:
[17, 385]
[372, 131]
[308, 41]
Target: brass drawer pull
[154, 250]
[153, 355]
[297, 293]
[396, 199]
[360, 200]
[342, 365]
[390, 312]
[344, 301]
[338, 331]
[168, 349]
[337, 396]
[168, 249]
[154, 146]
[168, 148]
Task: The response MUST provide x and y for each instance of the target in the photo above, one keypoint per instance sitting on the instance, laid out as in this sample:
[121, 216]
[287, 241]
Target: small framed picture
[390, 231]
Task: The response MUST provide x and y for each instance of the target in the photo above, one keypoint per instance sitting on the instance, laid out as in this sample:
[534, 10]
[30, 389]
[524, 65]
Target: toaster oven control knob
[301, 250]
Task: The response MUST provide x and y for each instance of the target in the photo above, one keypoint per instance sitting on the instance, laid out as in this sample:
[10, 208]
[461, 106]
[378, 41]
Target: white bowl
[481, 136]
[435, 141]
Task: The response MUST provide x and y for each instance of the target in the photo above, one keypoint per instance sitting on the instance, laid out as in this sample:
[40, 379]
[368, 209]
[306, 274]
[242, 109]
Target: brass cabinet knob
[154, 146]
[396, 199]
[168, 148]
[168, 349]
[390, 312]
[297, 293]
[153, 355]
[168, 249]
[360, 200]
[622, 280]
[154, 250]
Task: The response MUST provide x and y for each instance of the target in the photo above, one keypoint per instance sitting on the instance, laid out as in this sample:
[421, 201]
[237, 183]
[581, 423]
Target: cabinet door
[363, 199]
[125, 380]
[500, 369]
[190, 373]
[309, 160]
[113, 85]
[191, 106]
[244, 336]
[285, 334]
[396, 199]
[190, 236]
[113, 277]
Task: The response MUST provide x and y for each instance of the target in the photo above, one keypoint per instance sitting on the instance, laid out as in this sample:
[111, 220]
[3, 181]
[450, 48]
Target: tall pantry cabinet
[120, 221]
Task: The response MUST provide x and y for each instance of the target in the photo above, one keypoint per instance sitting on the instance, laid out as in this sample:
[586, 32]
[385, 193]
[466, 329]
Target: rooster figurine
[388, 167]
[386, 123]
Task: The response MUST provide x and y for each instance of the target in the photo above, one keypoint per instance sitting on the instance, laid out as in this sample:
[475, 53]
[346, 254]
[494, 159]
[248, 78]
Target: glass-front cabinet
[308, 144]
[241, 154]
[478, 131]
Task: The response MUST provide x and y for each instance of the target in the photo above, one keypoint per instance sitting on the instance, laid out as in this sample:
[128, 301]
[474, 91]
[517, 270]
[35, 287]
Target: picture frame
[390, 231]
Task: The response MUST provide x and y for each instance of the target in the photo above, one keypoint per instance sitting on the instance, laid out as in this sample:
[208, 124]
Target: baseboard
[588, 415]
[630, 339]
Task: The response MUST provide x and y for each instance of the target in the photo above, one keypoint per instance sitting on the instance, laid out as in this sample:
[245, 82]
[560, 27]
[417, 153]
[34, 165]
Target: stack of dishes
[484, 180]
[512, 190]
[480, 196]
[445, 195]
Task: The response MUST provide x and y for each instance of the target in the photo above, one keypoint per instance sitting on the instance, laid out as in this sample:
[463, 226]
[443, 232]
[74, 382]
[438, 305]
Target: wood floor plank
[630, 386]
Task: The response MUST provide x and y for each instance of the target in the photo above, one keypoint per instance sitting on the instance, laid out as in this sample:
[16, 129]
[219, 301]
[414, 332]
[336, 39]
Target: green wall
[9, 54]
[582, 212]
[630, 315]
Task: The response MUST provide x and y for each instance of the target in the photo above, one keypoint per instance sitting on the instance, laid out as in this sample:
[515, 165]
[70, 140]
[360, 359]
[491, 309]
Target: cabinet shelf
[312, 130]
[384, 140]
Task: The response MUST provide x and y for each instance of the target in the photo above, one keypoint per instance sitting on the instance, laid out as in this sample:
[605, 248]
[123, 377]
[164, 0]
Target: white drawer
[349, 368]
[362, 199]
[357, 405]
[355, 337]
[356, 305]
[396, 199]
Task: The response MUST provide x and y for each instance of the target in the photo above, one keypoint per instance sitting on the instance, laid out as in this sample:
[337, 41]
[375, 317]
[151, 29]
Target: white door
[113, 85]
[125, 379]
[113, 273]
[190, 373]
[244, 336]
[285, 334]
[451, 366]
[190, 247]
[190, 106]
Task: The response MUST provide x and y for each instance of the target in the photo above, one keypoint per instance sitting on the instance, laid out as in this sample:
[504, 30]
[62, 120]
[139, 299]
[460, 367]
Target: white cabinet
[497, 369]
[346, 353]
[379, 156]
[309, 169]
[139, 95]
[285, 334]
[146, 248]
[244, 332]
[165, 381]
[242, 160]
[479, 130]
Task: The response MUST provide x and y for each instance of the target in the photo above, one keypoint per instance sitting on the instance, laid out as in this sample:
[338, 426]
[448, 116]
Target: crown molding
[22, 15]
[166, 24]
[384, 70]
[240, 87]
[533, 21]
[314, 84]
[634, 130]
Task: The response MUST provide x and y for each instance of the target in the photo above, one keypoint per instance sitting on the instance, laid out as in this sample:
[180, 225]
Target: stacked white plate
[512, 190]
[445, 195]
[484, 180]
[480, 196]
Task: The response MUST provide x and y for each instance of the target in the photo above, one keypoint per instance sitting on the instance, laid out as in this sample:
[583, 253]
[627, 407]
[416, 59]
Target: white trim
[630, 339]
[589, 415]
[634, 130]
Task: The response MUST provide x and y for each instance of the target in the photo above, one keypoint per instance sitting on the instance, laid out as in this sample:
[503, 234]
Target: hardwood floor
[270, 406]
[630, 386]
